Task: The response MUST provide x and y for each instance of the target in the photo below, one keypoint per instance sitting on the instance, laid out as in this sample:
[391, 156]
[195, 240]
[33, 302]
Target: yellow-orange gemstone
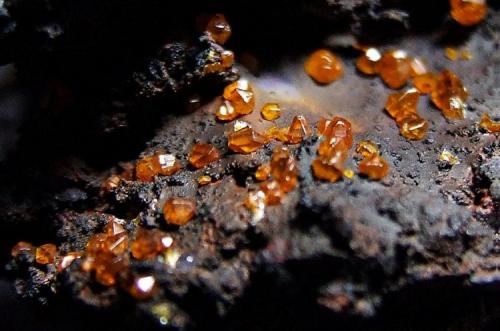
[451, 53]
[204, 180]
[337, 136]
[246, 141]
[277, 133]
[113, 228]
[226, 112]
[226, 61]
[468, 12]
[241, 96]
[366, 63]
[450, 95]
[324, 67]
[179, 211]
[298, 130]
[22, 247]
[263, 172]
[284, 168]
[466, 55]
[374, 167]
[331, 167]
[202, 155]
[96, 244]
[107, 266]
[413, 127]
[425, 83]
[149, 243]
[367, 148]
[141, 287]
[272, 191]
[488, 124]
[45, 254]
[169, 164]
[146, 168]
[219, 29]
[271, 111]
[417, 67]
[394, 68]
[400, 104]
[68, 259]
[323, 123]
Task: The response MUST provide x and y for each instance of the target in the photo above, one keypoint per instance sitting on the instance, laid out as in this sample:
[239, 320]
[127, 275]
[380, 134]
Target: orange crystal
[374, 167]
[179, 211]
[277, 133]
[417, 67]
[226, 112]
[367, 63]
[108, 266]
[324, 67]
[323, 123]
[299, 130]
[337, 135]
[284, 168]
[219, 29]
[169, 164]
[468, 12]
[400, 104]
[202, 155]
[488, 124]
[331, 167]
[241, 96]
[272, 191]
[263, 172]
[149, 243]
[204, 180]
[367, 148]
[158, 164]
[394, 68]
[271, 111]
[413, 127]
[425, 83]
[450, 95]
[246, 141]
[22, 247]
[45, 254]
[451, 53]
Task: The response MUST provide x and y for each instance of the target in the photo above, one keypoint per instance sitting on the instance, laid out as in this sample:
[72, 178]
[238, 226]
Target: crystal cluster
[238, 100]
[402, 107]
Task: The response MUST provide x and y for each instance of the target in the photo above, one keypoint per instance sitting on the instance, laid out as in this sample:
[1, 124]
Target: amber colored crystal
[140, 287]
[298, 130]
[263, 172]
[113, 228]
[284, 168]
[277, 133]
[179, 211]
[488, 124]
[324, 67]
[169, 164]
[117, 244]
[204, 180]
[337, 136]
[22, 247]
[108, 266]
[111, 183]
[202, 155]
[241, 96]
[271, 111]
[450, 95]
[45, 254]
[149, 243]
[246, 141]
[331, 167]
[226, 112]
[374, 167]
[323, 123]
[468, 12]
[413, 127]
[466, 55]
[68, 259]
[400, 104]
[272, 191]
[417, 67]
[219, 29]
[96, 244]
[425, 83]
[146, 168]
[394, 68]
[367, 148]
[225, 62]
[451, 53]
[366, 63]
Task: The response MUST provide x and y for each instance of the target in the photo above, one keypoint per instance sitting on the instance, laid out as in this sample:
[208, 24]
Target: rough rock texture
[417, 251]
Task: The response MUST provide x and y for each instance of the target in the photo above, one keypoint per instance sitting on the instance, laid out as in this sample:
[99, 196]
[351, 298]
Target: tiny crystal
[413, 127]
[246, 141]
[45, 254]
[263, 172]
[179, 211]
[488, 124]
[241, 97]
[324, 67]
[204, 180]
[374, 167]
[367, 148]
[450, 95]
[448, 157]
[272, 191]
[366, 63]
[299, 130]
[271, 111]
[219, 29]
[202, 155]
[284, 168]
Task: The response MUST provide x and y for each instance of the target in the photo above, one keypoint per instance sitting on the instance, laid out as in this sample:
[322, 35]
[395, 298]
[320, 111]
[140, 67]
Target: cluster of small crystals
[489, 125]
[108, 254]
[333, 150]
[402, 107]
[373, 165]
[279, 177]
[219, 30]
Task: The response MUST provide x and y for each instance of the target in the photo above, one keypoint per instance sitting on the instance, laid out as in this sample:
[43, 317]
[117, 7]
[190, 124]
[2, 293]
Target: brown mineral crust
[420, 227]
